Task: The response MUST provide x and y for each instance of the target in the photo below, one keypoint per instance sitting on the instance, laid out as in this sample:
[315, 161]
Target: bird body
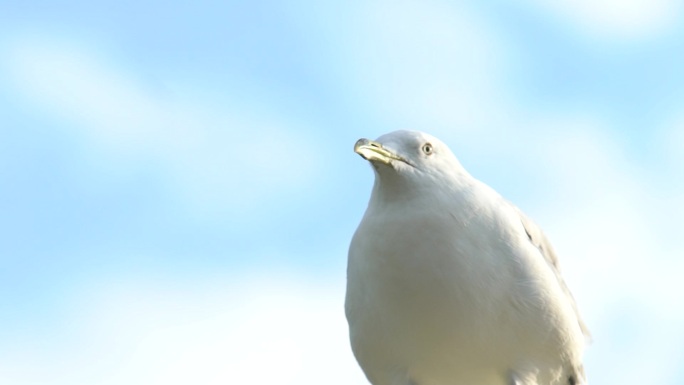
[445, 284]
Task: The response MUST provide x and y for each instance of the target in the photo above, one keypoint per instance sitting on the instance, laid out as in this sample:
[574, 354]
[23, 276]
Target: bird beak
[375, 152]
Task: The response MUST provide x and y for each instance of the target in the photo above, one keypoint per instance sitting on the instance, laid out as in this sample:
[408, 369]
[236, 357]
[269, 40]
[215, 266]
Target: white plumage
[450, 284]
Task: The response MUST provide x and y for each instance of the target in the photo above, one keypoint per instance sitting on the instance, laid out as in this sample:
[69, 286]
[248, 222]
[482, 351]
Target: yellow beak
[375, 152]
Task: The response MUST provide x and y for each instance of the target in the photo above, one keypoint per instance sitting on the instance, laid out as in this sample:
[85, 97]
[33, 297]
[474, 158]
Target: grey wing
[542, 243]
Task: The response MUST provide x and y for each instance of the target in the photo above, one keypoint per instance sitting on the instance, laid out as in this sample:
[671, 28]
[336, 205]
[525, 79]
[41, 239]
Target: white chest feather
[449, 297]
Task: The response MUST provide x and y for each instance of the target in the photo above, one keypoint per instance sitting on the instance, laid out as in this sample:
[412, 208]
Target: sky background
[178, 187]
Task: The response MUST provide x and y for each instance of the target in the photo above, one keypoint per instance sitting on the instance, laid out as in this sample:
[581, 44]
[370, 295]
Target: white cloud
[423, 64]
[671, 140]
[227, 158]
[274, 333]
[616, 19]
[611, 222]
[265, 330]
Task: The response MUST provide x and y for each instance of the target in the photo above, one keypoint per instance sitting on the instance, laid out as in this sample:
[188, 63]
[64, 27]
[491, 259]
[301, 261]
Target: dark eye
[427, 149]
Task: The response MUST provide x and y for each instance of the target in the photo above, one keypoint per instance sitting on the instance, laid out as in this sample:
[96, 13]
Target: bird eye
[427, 149]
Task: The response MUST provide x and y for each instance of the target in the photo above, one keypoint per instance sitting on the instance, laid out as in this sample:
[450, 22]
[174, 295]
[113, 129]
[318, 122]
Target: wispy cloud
[427, 64]
[616, 19]
[607, 218]
[221, 160]
[260, 330]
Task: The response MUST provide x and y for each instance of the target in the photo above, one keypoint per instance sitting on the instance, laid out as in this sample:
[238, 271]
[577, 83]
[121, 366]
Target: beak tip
[360, 143]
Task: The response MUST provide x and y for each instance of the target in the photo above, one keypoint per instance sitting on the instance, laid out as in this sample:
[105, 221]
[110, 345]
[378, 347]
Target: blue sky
[178, 186]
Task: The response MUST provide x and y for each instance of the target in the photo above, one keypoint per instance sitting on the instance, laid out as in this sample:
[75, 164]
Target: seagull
[450, 284]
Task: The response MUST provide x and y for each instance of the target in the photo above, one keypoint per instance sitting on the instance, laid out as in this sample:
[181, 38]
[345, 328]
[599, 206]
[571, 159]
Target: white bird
[450, 284]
